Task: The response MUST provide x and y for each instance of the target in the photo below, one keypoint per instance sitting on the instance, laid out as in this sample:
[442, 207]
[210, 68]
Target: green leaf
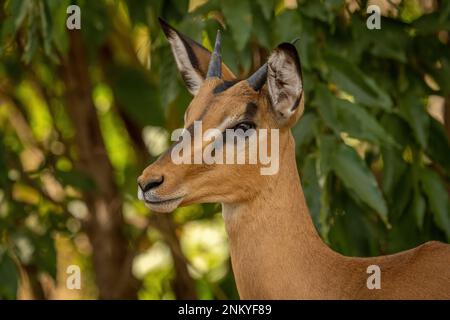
[325, 103]
[57, 12]
[96, 25]
[393, 169]
[404, 233]
[46, 26]
[45, 254]
[138, 10]
[344, 116]
[431, 23]
[311, 188]
[288, 26]
[444, 11]
[32, 38]
[327, 146]
[193, 28]
[310, 53]
[3, 167]
[9, 277]
[168, 74]
[75, 179]
[138, 97]
[6, 30]
[316, 10]
[355, 175]
[207, 7]
[441, 74]
[304, 129]
[359, 123]
[239, 17]
[230, 56]
[438, 145]
[396, 127]
[261, 30]
[417, 117]
[437, 197]
[352, 80]
[325, 210]
[267, 8]
[418, 208]
[362, 240]
[390, 42]
[19, 10]
[173, 9]
[401, 197]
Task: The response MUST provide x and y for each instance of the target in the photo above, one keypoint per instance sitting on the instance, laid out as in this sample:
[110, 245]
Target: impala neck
[275, 249]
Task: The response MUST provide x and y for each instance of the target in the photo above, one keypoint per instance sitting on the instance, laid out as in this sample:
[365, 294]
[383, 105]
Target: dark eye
[244, 126]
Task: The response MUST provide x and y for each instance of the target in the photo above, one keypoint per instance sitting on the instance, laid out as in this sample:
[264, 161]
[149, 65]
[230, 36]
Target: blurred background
[83, 112]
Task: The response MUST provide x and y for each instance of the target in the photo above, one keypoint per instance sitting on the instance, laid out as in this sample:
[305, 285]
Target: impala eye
[244, 126]
[239, 130]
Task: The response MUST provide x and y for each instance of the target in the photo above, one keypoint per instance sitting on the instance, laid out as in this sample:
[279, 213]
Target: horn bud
[215, 63]
[257, 79]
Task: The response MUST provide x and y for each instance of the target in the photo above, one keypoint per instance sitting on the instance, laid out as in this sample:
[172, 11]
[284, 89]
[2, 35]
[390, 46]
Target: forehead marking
[250, 110]
[221, 87]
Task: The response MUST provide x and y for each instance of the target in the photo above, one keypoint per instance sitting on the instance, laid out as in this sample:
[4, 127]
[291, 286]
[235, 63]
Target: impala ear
[285, 83]
[192, 58]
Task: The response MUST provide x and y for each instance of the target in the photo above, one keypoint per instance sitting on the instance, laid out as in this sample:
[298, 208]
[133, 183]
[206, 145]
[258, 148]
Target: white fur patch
[191, 76]
[284, 83]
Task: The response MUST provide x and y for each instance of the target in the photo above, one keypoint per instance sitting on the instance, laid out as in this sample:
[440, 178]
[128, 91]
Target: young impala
[275, 250]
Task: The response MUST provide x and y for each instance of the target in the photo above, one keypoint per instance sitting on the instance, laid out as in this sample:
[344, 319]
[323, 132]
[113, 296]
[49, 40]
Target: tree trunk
[183, 285]
[447, 116]
[31, 276]
[112, 258]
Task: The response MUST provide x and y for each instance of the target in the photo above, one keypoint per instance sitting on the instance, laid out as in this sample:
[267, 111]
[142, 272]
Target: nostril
[153, 183]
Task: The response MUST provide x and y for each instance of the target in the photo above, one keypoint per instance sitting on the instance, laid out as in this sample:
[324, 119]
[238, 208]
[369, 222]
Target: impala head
[271, 98]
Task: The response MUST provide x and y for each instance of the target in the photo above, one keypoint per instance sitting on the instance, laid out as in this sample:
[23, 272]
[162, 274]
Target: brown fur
[277, 253]
[275, 250]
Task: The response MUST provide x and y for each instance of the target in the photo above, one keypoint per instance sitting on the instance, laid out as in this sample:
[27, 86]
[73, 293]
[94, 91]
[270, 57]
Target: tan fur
[275, 250]
[277, 253]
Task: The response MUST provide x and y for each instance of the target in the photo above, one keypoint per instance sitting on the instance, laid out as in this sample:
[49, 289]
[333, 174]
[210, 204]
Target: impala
[275, 250]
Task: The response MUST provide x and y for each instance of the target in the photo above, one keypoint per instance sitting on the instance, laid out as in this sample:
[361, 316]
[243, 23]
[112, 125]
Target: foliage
[375, 165]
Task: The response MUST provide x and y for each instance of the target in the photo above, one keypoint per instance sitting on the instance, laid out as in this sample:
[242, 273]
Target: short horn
[257, 79]
[215, 63]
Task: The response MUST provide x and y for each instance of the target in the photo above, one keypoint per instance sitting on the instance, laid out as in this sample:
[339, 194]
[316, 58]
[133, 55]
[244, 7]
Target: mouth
[162, 202]
[165, 205]
[159, 204]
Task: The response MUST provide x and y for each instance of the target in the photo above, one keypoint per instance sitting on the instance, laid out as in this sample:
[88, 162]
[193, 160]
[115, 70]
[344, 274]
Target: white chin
[163, 207]
[140, 194]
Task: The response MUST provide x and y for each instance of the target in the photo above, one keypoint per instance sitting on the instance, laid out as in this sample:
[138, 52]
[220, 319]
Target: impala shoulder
[435, 247]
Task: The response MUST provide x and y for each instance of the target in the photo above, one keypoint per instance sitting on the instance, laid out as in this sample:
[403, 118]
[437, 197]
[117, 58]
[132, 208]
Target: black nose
[152, 183]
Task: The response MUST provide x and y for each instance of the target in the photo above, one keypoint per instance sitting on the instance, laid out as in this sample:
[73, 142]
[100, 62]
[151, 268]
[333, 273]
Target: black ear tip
[166, 27]
[289, 47]
[290, 50]
[162, 21]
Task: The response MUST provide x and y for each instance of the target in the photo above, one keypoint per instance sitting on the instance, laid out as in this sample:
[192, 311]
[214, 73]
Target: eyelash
[246, 124]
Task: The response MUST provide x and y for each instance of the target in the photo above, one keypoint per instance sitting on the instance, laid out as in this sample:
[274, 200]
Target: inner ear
[192, 58]
[284, 80]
